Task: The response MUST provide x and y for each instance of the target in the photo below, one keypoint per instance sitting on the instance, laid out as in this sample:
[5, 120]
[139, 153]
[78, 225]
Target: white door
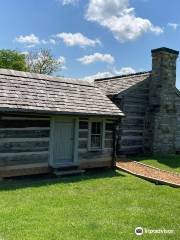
[63, 142]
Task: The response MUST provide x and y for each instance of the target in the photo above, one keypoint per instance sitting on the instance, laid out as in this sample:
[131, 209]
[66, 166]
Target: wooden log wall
[23, 140]
[24, 144]
[98, 158]
[132, 130]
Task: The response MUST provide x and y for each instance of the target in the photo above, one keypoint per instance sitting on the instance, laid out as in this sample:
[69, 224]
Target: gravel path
[149, 172]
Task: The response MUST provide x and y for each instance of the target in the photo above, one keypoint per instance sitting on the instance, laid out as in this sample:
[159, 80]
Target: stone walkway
[150, 173]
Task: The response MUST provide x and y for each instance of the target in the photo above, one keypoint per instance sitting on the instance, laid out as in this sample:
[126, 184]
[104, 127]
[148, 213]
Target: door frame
[75, 142]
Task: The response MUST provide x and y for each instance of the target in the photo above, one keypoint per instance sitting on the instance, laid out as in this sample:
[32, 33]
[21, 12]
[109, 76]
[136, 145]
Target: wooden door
[63, 142]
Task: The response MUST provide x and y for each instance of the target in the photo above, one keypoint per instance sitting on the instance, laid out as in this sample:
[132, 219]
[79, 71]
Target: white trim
[95, 119]
[103, 121]
[75, 122]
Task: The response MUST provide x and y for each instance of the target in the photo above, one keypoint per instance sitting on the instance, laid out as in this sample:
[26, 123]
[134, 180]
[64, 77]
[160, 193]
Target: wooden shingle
[29, 92]
[119, 84]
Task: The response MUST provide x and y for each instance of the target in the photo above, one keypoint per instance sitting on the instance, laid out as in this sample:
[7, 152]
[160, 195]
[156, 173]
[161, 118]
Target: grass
[170, 163]
[101, 205]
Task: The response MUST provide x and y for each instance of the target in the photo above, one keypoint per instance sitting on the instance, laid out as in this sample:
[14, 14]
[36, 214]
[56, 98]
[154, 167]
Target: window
[96, 135]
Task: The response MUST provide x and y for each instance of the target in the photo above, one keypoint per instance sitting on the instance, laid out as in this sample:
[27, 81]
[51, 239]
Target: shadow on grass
[172, 161]
[49, 179]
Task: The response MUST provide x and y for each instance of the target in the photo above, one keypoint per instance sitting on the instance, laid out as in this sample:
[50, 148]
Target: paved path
[150, 173]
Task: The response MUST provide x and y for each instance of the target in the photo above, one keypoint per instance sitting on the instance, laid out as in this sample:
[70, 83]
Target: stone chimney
[162, 108]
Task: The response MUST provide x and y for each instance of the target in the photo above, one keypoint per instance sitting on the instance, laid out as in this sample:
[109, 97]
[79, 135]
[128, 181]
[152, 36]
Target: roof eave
[124, 75]
[55, 113]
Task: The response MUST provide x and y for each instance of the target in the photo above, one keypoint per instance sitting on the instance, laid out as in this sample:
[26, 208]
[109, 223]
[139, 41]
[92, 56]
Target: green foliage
[11, 59]
[101, 205]
[37, 61]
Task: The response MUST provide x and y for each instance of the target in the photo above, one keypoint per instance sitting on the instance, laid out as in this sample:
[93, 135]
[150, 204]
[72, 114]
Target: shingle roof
[118, 84]
[27, 92]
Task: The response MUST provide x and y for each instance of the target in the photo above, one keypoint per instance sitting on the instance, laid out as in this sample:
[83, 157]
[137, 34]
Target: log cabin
[151, 104]
[51, 123]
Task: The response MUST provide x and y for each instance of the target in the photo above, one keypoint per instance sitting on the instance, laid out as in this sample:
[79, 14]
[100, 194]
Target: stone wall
[162, 99]
[152, 110]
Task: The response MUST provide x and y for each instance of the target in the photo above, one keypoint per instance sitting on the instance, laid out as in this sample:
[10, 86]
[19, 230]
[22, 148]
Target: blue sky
[93, 37]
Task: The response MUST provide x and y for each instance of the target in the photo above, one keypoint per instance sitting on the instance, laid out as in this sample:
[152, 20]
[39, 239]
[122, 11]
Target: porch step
[68, 172]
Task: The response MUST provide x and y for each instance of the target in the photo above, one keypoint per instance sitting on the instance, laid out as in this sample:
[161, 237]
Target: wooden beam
[22, 153]
[26, 128]
[12, 140]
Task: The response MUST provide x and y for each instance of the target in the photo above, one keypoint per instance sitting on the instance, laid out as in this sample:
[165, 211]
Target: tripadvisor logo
[139, 231]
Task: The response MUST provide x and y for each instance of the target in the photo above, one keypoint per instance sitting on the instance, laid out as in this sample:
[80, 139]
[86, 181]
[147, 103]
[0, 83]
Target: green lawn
[170, 163]
[101, 205]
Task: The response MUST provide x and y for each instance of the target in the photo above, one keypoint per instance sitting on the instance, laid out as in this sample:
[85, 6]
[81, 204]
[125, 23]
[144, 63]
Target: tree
[11, 59]
[42, 61]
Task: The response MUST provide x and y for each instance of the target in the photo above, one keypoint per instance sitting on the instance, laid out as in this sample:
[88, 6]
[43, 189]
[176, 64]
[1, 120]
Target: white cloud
[77, 39]
[173, 25]
[96, 57]
[98, 75]
[120, 19]
[44, 42]
[68, 2]
[124, 70]
[62, 61]
[31, 39]
[50, 41]
[114, 72]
